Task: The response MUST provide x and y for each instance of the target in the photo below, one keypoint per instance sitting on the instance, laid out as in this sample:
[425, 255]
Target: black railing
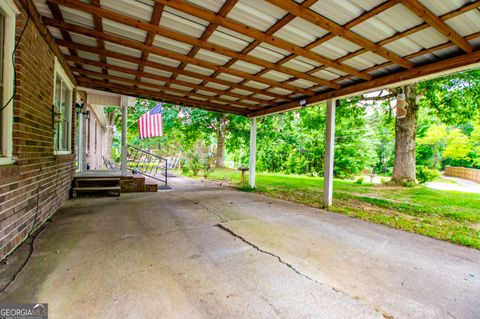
[147, 164]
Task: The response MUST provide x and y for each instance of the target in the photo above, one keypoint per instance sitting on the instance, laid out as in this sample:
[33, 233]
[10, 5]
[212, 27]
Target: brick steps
[95, 185]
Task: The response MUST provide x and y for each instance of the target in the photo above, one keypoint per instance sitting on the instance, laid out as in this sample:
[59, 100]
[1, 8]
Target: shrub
[425, 174]
[360, 180]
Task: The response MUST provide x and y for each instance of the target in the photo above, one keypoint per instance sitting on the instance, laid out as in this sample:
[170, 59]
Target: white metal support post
[124, 106]
[329, 154]
[253, 152]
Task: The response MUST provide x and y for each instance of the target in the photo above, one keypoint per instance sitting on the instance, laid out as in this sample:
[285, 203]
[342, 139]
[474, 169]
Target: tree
[458, 145]
[436, 138]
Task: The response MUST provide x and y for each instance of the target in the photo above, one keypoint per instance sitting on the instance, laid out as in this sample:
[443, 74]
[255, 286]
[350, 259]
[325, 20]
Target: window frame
[60, 72]
[9, 11]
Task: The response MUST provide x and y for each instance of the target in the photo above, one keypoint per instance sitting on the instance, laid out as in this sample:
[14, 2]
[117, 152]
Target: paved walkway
[459, 185]
[204, 252]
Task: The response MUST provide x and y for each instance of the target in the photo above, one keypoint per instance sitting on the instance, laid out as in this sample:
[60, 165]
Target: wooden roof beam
[196, 43]
[161, 88]
[97, 21]
[163, 67]
[170, 54]
[199, 12]
[437, 23]
[155, 95]
[391, 79]
[341, 31]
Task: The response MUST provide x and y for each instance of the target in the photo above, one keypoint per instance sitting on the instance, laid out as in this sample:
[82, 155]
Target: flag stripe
[150, 124]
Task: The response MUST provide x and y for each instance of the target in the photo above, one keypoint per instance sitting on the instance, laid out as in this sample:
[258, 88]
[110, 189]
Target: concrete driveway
[206, 252]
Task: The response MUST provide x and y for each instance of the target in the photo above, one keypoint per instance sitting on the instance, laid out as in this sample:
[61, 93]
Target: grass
[445, 215]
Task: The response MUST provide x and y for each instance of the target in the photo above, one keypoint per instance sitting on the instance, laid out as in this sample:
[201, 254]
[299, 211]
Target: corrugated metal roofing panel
[123, 30]
[77, 17]
[336, 48]
[396, 19]
[88, 55]
[365, 60]
[64, 51]
[136, 9]
[198, 98]
[212, 57]
[153, 81]
[226, 40]
[339, 11]
[171, 45]
[55, 32]
[298, 65]
[198, 69]
[249, 102]
[234, 34]
[120, 74]
[189, 79]
[441, 7]
[122, 49]
[403, 46]
[116, 82]
[181, 24]
[280, 91]
[217, 86]
[265, 54]
[163, 60]
[335, 71]
[181, 87]
[228, 97]
[466, 24]
[128, 65]
[276, 76]
[300, 32]
[246, 67]
[259, 14]
[230, 78]
[206, 92]
[242, 92]
[212, 5]
[174, 93]
[95, 68]
[263, 97]
[304, 84]
[428, 38]
[42, 8]
[148, 69]
[169, 10]
[257, 85]
[83, 39]
[326, 75]
[308, 61]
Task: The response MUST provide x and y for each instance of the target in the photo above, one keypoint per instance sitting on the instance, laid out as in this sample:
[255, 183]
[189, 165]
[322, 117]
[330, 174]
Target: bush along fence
[463, 172]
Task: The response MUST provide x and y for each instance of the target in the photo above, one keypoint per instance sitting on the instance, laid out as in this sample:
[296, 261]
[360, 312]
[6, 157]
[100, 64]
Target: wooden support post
[329, 154]
[253, 152]
[124, 105]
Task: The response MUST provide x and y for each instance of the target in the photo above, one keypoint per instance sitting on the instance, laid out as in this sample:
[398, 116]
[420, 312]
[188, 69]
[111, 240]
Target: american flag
[150, 123]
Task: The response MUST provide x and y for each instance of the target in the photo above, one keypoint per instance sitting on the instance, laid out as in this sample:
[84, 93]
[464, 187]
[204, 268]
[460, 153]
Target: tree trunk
[405, 145]
[221, 132]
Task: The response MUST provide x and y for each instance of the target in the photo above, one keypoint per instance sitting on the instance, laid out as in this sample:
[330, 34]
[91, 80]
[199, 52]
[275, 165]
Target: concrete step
[97, 179]
[94, 189]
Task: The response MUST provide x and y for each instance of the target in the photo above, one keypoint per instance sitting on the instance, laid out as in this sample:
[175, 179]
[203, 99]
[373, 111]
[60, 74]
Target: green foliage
[425, 174]
[360, 180]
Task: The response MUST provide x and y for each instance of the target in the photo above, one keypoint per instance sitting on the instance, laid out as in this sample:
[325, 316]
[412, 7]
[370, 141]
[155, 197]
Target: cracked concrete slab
[206, 252]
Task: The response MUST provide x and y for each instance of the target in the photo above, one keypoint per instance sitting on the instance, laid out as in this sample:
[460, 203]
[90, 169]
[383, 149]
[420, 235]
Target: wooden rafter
[160, 78]
[97, 21]
[418, 72]
[162, 89]
[196, 43]
[260, 36]
[224, 10]
[159, 66]
[155, 20]
[167, 53]
[154, 95]
[338, 30]
[437, 23]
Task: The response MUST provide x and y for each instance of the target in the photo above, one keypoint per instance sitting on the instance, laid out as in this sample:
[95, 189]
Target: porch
[207, 252]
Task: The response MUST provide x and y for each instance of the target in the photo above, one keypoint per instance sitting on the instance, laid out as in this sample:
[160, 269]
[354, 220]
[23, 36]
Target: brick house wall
[34, 187]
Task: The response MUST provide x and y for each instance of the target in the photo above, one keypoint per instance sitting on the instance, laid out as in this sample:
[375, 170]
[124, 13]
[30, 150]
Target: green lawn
[446, 215]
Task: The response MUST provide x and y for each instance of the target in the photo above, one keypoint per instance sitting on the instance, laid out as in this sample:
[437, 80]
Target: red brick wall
[38, 183]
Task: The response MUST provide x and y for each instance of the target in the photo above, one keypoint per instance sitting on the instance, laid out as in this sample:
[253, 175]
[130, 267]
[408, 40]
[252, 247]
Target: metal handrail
[147, 164]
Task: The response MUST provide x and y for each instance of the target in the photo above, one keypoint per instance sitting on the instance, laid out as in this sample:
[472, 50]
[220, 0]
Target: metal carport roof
[254, 57]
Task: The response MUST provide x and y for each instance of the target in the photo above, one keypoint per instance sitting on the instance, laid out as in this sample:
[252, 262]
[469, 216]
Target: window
[7, 44]
[62, 107]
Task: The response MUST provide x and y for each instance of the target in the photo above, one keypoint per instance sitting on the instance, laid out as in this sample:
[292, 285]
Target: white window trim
[59, 70]
[8, 8]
